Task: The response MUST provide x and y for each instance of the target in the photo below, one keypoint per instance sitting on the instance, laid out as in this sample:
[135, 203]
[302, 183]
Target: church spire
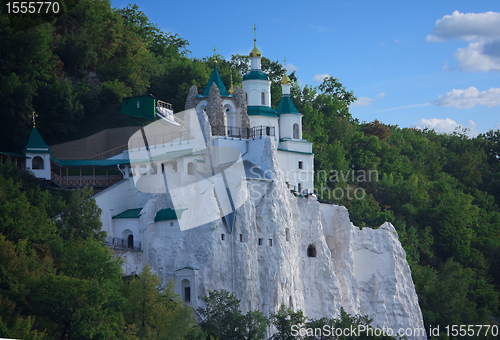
[255, 54]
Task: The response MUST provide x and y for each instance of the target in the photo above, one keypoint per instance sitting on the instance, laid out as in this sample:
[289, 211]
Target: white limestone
[364, 271]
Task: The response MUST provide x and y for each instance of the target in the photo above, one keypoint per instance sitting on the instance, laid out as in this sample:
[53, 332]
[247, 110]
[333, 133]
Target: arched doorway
[130, 241]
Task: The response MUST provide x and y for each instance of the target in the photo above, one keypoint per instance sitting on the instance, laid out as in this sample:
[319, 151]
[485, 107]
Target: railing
[245, 133]
[111, 153]
[91, 181]
[122, 243]
[164, 110]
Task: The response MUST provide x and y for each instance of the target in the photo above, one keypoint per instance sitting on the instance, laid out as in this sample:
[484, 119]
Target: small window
[287, 234]
[130, 241]
[260, 241]
[262, 99]
[268, 131]
[137, 104]
[241, 237]
[299, 187]
[222, 237]
[270, 242]
[296, 131]
[311, 251]
[187, 294]
[37, 163]
[171, 224]
[246, 97]
[191, 170]
[300, 165]
[290, 302]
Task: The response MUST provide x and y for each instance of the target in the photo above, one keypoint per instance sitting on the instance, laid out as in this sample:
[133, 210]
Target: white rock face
[364, 271]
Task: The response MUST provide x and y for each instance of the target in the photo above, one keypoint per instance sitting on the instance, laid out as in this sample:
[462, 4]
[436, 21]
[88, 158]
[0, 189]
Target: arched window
[186, 290]
[130, 241]
[295, 131]
[246, 97]
[191, 169]
[37, 163]
[311, 251]
[263, 98]
[287, 234]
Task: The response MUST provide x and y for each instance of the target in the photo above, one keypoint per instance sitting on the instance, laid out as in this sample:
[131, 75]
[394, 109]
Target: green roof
[215, 78]
[13, 154]
[36, 140]
[255, 74]
[90, 162]
[130, 213]
[302, 152]
[286, 106]
[261, 111]
[168, 214]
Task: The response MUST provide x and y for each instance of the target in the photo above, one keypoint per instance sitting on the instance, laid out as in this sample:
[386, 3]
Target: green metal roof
[305, 153]
[286, 106]
[255, 74]
[168, 214]
[130, 213]
[90, 162]
[13, 154]
[261, 111]
[36, 140]
[215, 78]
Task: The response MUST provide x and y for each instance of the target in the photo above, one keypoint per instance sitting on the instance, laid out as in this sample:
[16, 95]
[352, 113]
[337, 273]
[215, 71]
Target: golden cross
[255, 28]
[285, 63]
[215, 58]
[33, 116]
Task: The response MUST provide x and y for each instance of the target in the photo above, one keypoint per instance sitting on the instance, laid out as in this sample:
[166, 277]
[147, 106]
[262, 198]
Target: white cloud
[474, 58]
[291, 67]
[363, 101]
[483, 29]
[404, 107]
[445, 125]
[319, 77]
[397, 41]
[366, 101]
[470, 97]
[466, 26]
[497, 127]
[445, 66]
[382, 43]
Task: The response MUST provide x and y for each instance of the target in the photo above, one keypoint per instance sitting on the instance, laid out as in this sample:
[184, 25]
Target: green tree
[222, 318]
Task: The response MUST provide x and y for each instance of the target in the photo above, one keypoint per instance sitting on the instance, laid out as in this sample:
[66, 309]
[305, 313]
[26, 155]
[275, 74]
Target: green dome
[255, 74]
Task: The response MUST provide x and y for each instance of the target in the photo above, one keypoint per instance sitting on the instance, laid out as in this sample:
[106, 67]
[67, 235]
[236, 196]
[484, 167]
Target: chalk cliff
[287, 250]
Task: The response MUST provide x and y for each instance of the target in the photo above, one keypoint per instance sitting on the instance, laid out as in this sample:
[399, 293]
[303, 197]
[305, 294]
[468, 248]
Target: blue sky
[410, 63]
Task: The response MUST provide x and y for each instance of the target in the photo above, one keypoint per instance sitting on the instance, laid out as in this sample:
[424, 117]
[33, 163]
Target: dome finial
[215, 56]
[33, 116]
[255, 52]
[285, 79]
[231, 89]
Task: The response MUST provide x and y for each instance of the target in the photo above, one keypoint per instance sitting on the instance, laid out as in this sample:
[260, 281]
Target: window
[270, 242]
[300, 165]
[246, 97]
[262, 99]
[287, 234]
[222, 237]
[290, 302]
[241, 237]
[268, 131]
[191, 169]
[137, 104]
[37, 163]
[171, 224]
[130, 241]
[299, 188]
[311, 251]
[187, 294]
[296, 134]
[260, 241]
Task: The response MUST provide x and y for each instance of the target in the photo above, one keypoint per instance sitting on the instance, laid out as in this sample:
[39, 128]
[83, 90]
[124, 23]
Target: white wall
[39, 173]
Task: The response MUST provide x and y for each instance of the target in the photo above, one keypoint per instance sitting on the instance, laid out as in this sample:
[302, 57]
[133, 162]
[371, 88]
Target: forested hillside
[441, 191]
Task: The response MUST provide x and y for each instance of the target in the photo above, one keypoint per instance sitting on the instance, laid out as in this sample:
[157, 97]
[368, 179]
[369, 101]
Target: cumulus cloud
[462, 99]
[319, 77]
[483, 29]
[466, 26]
[366, 101]
[445, 125]
[476, 56]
